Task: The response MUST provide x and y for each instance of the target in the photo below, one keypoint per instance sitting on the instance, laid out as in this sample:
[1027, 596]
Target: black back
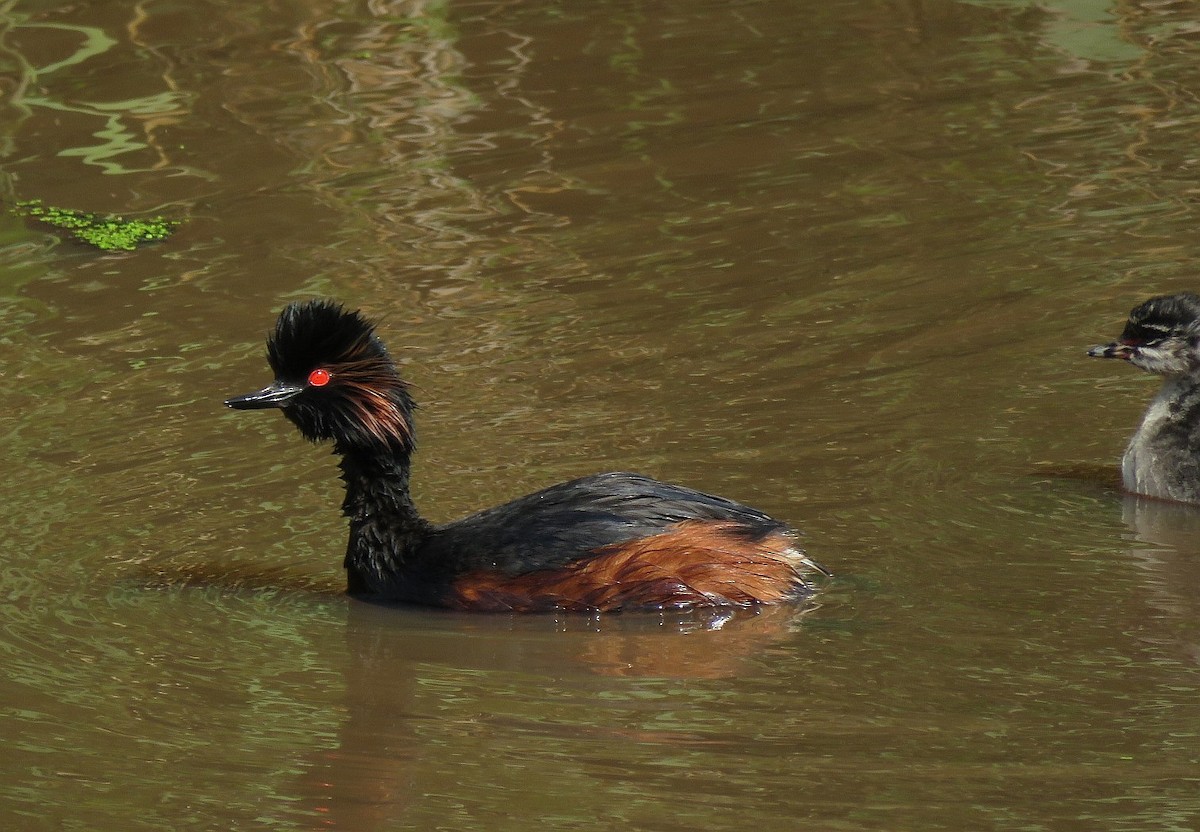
[564, 522]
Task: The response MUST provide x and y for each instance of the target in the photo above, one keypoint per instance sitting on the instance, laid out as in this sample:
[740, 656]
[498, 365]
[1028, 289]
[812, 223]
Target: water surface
[837, 260]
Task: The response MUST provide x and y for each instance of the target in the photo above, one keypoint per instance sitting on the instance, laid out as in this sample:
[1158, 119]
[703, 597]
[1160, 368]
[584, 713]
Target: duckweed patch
[103, 231]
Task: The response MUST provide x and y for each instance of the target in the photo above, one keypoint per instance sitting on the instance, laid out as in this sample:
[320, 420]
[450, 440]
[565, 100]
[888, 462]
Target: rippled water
[837, 260]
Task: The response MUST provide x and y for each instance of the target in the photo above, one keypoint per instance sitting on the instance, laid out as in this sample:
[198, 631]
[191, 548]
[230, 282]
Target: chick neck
[1161, 459]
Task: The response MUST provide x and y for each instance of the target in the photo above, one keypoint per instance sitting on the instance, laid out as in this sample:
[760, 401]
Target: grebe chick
[1161, 337]
[607, 542]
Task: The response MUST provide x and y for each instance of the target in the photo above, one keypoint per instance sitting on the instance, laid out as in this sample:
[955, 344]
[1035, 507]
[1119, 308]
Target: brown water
[839, 260]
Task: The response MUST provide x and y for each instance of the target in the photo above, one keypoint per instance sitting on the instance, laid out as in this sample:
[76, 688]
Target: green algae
[103, 231]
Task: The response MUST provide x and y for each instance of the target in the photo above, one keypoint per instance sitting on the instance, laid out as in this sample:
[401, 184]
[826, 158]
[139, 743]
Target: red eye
[319, 377]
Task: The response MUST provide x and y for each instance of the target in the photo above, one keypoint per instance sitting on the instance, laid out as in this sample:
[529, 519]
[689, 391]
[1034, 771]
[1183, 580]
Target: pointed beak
[276, 394]
[1117, 349]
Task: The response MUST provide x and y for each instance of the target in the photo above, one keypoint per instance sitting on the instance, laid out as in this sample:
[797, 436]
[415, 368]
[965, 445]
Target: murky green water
[839, 260]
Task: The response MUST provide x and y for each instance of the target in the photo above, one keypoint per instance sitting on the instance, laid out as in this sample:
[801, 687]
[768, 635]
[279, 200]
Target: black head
[1161, 336]
[335, 380]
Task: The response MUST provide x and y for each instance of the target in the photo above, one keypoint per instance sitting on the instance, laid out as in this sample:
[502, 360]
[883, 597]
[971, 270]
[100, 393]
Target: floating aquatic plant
[104, 231]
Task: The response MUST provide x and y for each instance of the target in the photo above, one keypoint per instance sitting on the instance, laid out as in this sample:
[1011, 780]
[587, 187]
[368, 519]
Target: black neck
[385, 528]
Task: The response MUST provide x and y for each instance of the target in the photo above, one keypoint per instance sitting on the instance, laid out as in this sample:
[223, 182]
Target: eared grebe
[607, 542]
[1163, 457]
